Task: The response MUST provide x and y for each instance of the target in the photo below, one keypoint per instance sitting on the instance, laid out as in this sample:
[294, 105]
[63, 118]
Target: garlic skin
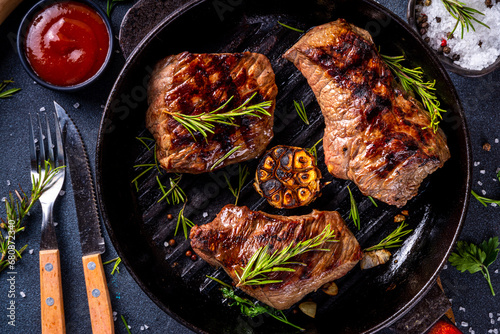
[375, 258]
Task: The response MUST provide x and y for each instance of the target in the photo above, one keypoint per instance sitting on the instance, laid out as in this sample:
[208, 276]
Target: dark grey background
[471, 298]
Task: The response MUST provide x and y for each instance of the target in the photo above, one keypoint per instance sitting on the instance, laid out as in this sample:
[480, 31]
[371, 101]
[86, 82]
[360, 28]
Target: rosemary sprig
[182, 220]
[301, 111]
[412, 79]
[110, 4]
[290, 27]
[354, 213]
[243, 173]
[147, 166]
[17, 207]
[261, 262]
[117, 261]
[227, 155]
[250, 309]
[9, 92]
[205, 122]
[392, 240]
[312, 150]
[175, 194]
[143, 141]
[485, 201]
[373, 201]
[463, 15]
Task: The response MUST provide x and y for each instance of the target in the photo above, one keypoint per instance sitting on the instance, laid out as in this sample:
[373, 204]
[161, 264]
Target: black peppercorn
[423, 31]
[438, 19]
[440, 50]
[427, 39]
[446, 50]
[456, 57]
[425, 25]
[488, 3]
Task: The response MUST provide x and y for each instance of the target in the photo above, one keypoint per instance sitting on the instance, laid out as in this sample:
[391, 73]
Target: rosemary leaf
[227, 155]
[412, 80]
[175, 194]
[354, 213]
[9, 92]
[301, 111]
[313, 151]
[117, 261]
[143, 141]
[110, 4]
[290, 27]
[373, 201]
[262, 262]
[186, 223]
[125, 323]
[392, 240]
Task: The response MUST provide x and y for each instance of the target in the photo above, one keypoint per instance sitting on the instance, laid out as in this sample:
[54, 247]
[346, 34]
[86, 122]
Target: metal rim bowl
[21, 40]
[447, 62]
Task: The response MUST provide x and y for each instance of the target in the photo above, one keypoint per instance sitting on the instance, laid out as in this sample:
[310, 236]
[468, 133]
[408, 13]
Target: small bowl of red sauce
[65, 45]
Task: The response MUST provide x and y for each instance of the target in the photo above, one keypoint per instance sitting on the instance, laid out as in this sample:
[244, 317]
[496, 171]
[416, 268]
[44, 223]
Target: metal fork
[45, 157]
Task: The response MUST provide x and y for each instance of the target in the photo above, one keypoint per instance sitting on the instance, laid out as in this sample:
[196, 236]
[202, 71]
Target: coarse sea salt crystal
[476, 163]
[22, 294]
[165, 244]
[483, 192]
[477, 49]
[494, 205]
[142, 328]
[496, 141]
[482, 171]
[205, 214]
[76, 105]
[445, 267]
[8, 182]
[490, 315]
[42, 109]
[146, 326]
[464, 324]
[496, 272]
[495, 331]
[31, 251]
[480, 183]
[461, 308]
[492, 321]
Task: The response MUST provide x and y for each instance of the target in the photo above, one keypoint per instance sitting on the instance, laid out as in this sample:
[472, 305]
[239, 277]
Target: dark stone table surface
[474, 306]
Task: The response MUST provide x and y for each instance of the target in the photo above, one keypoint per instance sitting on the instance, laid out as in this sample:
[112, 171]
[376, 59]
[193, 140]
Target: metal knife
[91, 240]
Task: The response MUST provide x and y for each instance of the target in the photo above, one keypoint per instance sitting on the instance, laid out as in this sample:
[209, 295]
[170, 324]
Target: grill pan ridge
[138, 225]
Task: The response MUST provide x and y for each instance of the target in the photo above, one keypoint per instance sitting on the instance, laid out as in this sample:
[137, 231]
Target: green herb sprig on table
[17, 206]
[354, 213]
[484, 200]
[117, 261]
[175, 195]
[393, 240]
[463, 14]
[250, 309]
[312, 150]
[475, 258]
[182, 220]
[262, 262]
[8, 92]
[110, 4]
[243, 173]
[301, 111]
[204, 123]
[413, 80]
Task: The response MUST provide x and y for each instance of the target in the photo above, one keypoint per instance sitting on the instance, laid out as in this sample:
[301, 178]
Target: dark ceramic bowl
[21, 40]
[447, 62]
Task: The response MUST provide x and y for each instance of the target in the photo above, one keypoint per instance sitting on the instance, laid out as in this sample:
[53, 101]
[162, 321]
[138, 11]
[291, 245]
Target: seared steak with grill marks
[195, 83]
[237, 233]
[375, 134]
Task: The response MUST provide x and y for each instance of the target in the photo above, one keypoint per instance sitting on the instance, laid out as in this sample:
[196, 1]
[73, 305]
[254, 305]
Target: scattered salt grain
[146, 326]
[496, 141]
[129, 327]
[496, 271]
[117, 51]
[490, 330]
[480, 183]
[445, 267]
[461, 308]
[76, 105]
[498, 319]
[476, 163]
[165, 244]
[472, 332]
[490, 315]
[477, 49]
[495, 331]
[494, 205]
[8, 182]
[495, 180]
[483, 192]
[142, 328]
[492, 321]
[22, 294]
[42, 109]
[62, 193]
[102, 106]
[4, 199]
[205, 214]
[31, 251]
[34, 82]
[482, 171]
[55, 224]
[464, 324]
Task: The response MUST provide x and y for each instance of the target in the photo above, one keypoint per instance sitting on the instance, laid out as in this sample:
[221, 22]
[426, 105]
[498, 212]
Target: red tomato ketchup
[67, 43]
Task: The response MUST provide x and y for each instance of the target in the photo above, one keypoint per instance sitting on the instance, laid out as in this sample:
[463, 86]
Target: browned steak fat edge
[231, 239]
[196, 83]
[375, 134]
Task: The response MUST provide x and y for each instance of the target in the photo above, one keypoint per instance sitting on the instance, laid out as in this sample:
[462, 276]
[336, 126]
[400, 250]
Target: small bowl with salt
[474, 54]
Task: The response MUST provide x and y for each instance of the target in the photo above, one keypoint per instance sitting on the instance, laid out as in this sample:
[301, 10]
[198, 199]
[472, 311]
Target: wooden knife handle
[51, 293]
[6, 7]
[101, 314]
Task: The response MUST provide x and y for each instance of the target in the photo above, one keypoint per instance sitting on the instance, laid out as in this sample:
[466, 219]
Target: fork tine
[33, 155]
[42, 144]
[59, 143]
[50, 147]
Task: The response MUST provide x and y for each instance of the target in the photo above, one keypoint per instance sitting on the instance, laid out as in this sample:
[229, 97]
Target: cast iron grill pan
[138, 225]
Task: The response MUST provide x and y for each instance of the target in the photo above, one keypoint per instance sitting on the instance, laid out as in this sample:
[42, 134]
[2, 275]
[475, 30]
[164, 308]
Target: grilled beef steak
[196, 83]
[237, 233]
[375, 134]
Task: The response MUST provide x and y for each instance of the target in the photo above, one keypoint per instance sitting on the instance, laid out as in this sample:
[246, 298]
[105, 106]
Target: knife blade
[91, 239]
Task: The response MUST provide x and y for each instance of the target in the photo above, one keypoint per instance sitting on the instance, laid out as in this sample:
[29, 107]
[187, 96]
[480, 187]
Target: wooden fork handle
[51, 293]
[101, 314]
